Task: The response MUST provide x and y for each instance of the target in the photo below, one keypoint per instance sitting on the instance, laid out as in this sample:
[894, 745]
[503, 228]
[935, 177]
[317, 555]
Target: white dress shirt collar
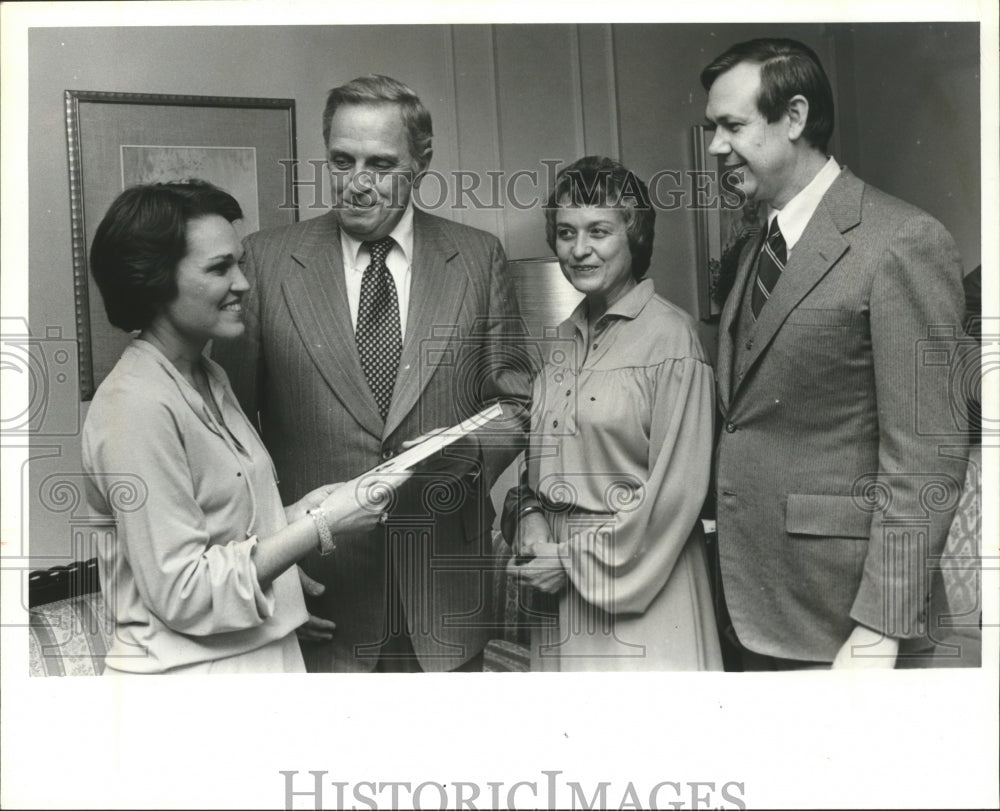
[398, 260]
[795, 216]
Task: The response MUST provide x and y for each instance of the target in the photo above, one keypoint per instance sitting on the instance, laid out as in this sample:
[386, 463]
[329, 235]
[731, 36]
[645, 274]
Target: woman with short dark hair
[201, 576]
[620, 449]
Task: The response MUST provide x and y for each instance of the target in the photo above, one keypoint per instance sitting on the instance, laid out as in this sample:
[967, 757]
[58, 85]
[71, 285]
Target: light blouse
[622, 429]
[190, 497]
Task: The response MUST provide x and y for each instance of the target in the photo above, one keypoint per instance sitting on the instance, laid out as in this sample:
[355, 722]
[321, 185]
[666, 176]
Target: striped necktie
[770, 264]
[378, 335]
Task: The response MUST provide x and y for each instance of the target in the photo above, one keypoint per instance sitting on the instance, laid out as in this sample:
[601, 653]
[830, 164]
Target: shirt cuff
[263, 598]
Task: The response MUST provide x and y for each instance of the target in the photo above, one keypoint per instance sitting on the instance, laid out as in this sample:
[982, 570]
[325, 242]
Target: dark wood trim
[63, 582]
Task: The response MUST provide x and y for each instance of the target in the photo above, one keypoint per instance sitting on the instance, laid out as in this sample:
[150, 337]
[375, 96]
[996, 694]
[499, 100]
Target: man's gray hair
[376, 89]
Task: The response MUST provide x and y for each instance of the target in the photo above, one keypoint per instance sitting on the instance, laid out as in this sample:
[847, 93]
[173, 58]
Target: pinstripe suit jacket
[297, 370]
[832, 505]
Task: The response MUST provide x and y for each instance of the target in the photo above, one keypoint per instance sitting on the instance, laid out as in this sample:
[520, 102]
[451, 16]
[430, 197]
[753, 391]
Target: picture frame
[724, 223]
[115, 140]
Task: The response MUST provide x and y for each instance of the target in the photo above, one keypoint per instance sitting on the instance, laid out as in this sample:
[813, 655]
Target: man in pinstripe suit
[832, 505]
[355, 344]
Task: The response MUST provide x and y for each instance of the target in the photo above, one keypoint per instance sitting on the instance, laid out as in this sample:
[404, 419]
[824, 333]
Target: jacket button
[387, 454]
[749, 343]
[730, 427]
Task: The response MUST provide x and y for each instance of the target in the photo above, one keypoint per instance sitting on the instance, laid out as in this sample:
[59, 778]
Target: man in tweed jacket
[833, 505]
[418, 593]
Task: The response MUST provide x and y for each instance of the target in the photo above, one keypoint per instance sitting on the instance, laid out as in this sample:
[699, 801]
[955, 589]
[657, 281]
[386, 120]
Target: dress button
[387, 454]
[594, 346]
[569, 392]
[730, 427]
[555, 423]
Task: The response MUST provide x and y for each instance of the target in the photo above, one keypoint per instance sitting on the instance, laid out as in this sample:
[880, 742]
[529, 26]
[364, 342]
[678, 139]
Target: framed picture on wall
[724, 224]
[116, 140]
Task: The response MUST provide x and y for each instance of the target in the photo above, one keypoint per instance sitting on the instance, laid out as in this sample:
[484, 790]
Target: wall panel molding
[576, 69]
[598, 90]
[476, 110]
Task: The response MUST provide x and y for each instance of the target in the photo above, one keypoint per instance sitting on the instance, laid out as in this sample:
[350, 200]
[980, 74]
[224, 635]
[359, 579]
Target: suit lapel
[317, 300]
[817, 251]
[437, 289]
[728, 319]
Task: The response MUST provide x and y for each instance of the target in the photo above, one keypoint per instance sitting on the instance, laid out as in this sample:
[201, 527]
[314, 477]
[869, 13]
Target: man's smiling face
[759, 153]
[371, 169]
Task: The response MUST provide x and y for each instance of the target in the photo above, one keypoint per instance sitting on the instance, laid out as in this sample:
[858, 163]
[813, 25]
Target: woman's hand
[359, 504]
[544, 571]
[532, 529]
[310, 501]
[353, 506]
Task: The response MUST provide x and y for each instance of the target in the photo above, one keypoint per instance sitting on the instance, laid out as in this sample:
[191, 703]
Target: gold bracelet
[326, 544]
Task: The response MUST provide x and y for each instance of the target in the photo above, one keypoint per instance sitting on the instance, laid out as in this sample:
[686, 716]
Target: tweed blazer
[296, 371]
[832, 504]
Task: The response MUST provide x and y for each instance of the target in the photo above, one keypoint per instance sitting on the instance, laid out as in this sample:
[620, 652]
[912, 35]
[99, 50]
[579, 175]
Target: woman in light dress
[201, 575]
[607, 515]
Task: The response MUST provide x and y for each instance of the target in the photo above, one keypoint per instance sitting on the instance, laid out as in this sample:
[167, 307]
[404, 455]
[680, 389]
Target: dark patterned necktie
[770, 264]
[379, 337]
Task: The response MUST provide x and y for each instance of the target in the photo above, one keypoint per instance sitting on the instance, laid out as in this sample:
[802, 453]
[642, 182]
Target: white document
[411, 457]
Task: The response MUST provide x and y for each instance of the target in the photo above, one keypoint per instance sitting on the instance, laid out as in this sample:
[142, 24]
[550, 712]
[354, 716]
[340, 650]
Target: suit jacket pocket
[821, 516]
[809, 317]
